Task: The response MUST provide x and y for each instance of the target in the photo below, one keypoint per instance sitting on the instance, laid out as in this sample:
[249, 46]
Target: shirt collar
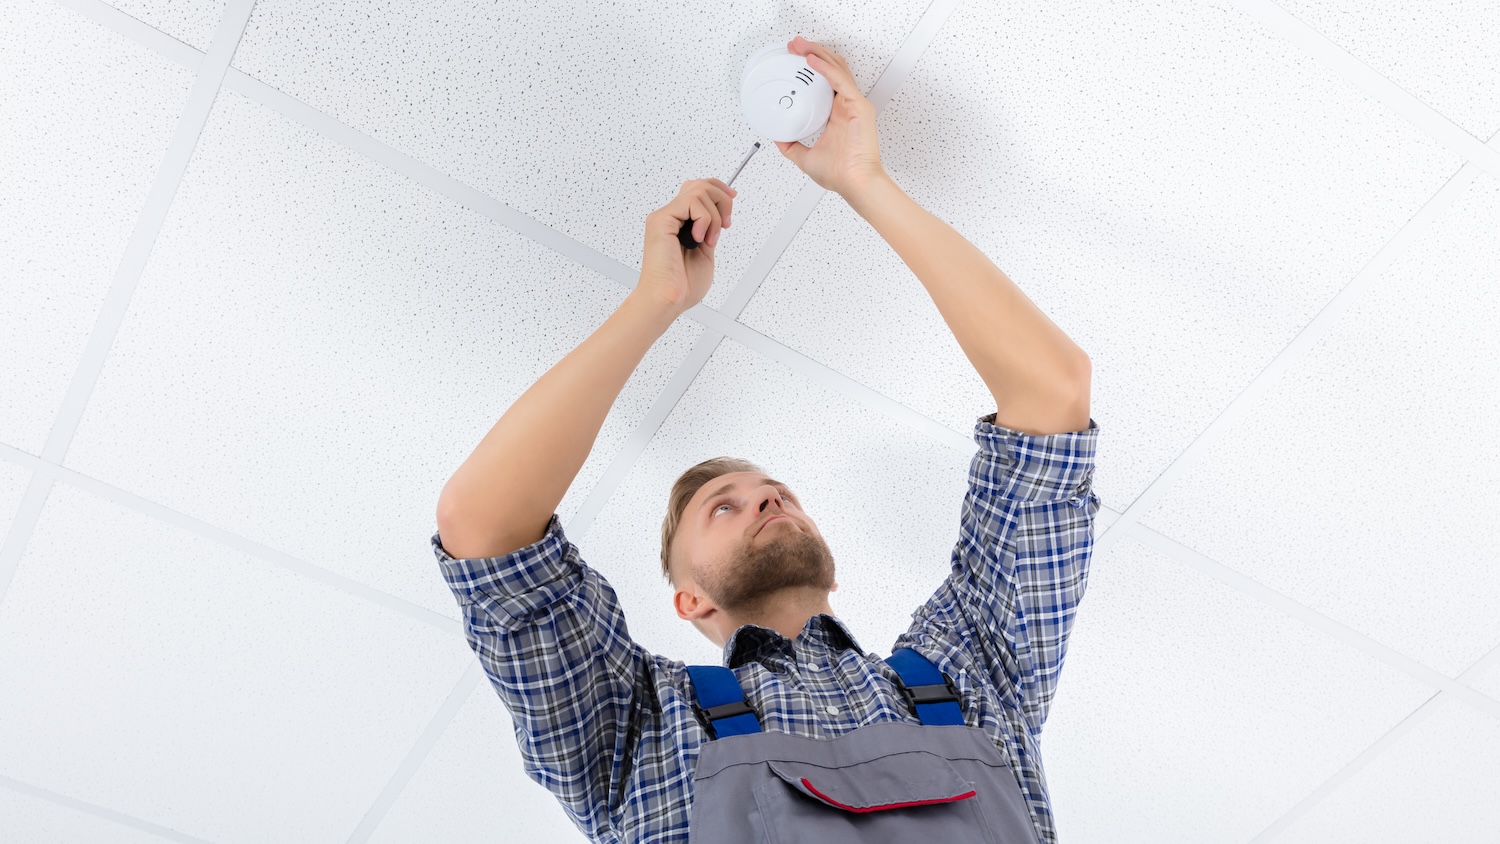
[751, 642]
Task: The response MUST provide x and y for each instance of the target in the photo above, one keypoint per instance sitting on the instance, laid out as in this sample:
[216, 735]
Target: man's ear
[690, 606]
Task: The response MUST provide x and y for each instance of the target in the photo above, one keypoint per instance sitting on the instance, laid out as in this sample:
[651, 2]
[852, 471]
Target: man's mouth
[768, 521]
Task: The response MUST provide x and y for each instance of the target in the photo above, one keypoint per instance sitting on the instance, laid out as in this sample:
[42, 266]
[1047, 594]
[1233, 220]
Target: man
[799, 734]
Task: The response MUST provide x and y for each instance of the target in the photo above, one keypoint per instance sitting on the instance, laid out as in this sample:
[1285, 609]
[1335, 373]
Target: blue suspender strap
[929, 691]
[722, 702]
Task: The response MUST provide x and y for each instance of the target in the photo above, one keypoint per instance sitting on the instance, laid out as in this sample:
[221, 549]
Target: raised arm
[504, 494]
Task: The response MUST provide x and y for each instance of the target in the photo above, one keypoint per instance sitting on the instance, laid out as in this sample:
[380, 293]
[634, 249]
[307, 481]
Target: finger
[839, 78]
[705, 218]
[726, 188]
[722, 196]
[715, 186]
[716, 222]
[830, 64]
[697, 215]
[717, 193]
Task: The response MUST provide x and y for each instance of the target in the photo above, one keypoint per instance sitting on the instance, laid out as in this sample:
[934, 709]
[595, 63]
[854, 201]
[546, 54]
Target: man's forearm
[509, 487]
[1013, 346]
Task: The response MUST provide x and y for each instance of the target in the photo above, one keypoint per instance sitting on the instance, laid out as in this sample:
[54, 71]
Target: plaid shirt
[610, 728]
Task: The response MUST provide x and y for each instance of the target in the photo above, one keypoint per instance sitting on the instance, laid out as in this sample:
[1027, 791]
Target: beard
[783, 556]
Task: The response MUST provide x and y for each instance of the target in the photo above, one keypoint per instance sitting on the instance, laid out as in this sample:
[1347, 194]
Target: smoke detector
[783, 99]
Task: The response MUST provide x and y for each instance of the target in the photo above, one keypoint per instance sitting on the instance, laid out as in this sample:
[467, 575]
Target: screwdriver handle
[685, 235]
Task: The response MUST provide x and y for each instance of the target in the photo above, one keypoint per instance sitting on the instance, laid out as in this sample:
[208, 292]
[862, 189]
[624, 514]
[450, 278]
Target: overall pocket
[904, 797]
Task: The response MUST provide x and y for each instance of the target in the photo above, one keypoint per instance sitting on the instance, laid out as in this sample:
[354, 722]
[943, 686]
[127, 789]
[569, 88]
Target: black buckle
[727, 710]
[930, 694]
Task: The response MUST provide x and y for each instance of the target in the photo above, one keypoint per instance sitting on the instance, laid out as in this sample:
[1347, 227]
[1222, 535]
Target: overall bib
[887, 783]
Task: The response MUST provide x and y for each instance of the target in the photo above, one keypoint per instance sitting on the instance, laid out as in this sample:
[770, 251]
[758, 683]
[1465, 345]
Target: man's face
[746, 543]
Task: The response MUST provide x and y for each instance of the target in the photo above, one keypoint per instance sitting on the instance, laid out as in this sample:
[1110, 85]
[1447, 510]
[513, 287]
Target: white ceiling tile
[1486, 678]
[317, 343]
[1362, 483]
[586, 127]
[1436, 782]
[886, 498]
[13, 481]
[149, 671]
[1188, 711]
[1445, 54]
[473, 787]
[85, 119]
[190, 21]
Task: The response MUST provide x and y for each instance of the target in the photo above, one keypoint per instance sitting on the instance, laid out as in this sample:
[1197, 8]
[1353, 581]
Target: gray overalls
[886, 783]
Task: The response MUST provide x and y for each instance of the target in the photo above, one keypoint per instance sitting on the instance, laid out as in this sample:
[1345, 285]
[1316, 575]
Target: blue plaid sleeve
[550, 634]
[1021, 563]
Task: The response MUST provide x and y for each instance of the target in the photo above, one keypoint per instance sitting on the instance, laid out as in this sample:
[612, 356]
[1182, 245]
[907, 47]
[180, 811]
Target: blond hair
[683, 491]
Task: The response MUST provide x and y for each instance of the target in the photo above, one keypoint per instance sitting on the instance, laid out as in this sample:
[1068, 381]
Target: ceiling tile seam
[1446, 689]
[1374, 84]
[434, 730]
[97, 811]
[52, 472]
[1353, 766]
[1312, 333]
[1326, 624]
[412, 762]
[128, 272]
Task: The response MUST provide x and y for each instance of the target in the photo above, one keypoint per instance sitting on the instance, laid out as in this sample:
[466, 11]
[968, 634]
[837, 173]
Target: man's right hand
[676, 275]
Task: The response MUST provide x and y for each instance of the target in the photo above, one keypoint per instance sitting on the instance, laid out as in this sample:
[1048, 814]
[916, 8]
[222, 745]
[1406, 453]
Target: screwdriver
[685, 234]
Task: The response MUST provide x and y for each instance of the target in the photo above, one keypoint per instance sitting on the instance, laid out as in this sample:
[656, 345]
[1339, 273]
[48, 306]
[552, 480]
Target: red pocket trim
[822, 796]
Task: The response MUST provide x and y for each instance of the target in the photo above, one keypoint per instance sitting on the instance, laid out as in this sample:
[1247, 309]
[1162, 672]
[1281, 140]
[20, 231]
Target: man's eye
[716, 507]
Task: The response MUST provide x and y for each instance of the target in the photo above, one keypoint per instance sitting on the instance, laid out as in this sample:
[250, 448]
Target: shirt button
[833, 710]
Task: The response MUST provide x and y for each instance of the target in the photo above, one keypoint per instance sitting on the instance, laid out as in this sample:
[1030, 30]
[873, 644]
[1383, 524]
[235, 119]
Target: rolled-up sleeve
[550, 634]
[1021, 564]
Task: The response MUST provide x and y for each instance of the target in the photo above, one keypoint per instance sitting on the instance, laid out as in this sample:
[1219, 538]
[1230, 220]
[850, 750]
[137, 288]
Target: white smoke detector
[783, 99]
